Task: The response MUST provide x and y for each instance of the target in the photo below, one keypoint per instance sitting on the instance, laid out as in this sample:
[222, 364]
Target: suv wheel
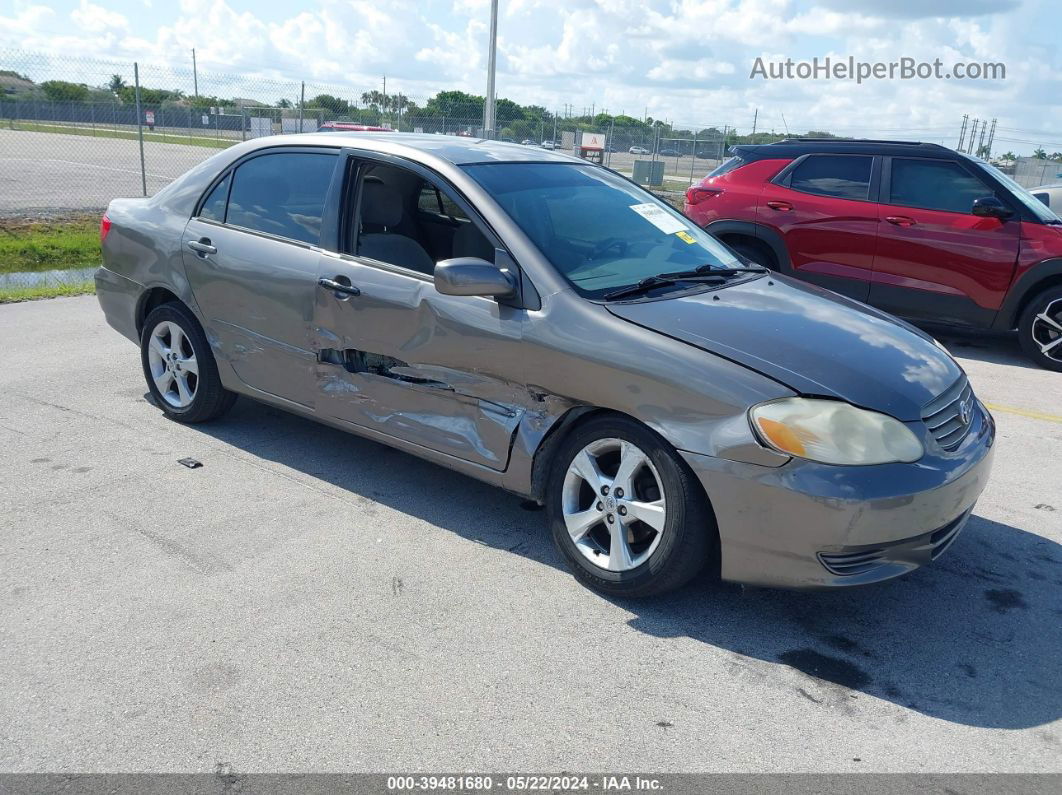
[1040, 329]
[626, 512]
[179, 367]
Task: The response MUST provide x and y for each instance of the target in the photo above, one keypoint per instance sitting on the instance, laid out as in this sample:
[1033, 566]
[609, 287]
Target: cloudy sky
[684, 60]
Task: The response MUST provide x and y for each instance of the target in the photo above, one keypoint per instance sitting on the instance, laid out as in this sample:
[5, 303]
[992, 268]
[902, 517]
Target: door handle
[900, 220]
[346, 289]
[780, 205]
[202, 247]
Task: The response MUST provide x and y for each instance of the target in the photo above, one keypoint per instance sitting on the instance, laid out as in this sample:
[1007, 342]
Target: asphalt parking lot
[310, 601]
[52, 172]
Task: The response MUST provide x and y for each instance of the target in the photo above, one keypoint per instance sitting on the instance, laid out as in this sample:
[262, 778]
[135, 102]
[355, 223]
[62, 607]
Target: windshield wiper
[646, 284]
[664, 280]
[708, 270]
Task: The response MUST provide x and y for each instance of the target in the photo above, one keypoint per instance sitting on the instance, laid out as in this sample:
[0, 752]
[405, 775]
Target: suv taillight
[697, 194]
[105, 227]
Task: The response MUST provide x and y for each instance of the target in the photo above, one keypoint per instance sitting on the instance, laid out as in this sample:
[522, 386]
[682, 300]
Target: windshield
[599, 230]
[1039, 210]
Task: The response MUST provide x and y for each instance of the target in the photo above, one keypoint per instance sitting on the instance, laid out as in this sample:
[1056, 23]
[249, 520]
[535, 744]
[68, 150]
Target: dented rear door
[442, 372]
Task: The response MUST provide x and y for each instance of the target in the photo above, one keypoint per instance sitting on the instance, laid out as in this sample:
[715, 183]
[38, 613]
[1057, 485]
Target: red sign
[149, 117]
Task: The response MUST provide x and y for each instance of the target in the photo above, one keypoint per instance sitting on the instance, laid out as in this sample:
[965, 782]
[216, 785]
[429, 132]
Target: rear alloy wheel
[179, 367]
[626, 512]
[1040, 329]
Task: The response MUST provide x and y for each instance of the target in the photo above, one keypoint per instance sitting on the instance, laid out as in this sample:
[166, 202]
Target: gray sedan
[546, 325]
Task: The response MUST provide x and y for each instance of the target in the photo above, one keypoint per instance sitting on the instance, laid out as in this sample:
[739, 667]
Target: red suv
[916, 229]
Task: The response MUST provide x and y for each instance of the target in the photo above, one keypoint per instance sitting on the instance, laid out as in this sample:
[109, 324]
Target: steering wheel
[617, 243]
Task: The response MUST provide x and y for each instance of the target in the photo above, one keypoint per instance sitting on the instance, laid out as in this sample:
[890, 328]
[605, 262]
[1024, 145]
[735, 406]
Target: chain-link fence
[76, 133]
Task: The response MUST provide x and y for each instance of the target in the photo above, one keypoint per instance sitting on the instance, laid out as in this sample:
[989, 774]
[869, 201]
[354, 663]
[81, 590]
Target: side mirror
[473, 276]
[991, 207]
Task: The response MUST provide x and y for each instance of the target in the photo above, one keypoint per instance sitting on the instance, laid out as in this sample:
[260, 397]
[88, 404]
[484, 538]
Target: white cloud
[685, 60]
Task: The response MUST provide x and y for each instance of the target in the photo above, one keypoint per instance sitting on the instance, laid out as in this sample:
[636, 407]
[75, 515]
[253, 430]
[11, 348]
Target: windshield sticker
[660, 218]
[686, 236]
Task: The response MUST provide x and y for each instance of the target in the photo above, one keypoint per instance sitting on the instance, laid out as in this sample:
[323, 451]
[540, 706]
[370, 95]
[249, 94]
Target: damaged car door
[251, 253]
[396, 356]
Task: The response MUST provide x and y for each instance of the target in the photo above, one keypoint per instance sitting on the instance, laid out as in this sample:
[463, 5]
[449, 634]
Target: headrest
[381, 205]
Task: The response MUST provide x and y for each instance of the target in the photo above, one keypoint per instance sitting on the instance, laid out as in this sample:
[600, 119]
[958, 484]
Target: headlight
[833, 432]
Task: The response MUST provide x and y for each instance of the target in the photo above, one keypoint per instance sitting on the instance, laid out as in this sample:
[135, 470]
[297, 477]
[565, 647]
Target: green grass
[110, 132]
[11, 295]
[49, 245]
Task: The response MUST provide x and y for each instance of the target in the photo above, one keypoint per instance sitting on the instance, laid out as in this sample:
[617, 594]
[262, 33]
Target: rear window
[282, 194]
[842, 176]
[727, 166]
[213, 208]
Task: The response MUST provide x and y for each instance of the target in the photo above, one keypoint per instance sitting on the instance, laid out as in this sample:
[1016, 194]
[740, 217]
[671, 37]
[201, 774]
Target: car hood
[814, 341]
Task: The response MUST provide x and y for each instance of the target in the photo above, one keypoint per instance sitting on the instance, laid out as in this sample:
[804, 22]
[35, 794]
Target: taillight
[696, 194]
[105, 227]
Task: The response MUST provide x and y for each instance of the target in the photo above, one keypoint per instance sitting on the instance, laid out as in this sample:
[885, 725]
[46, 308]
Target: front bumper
[809, 525]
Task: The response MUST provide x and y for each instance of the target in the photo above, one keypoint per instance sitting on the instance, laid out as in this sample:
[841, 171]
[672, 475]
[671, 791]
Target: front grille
[943, 415]
[852, 562]
[908, 552]
[941, 539]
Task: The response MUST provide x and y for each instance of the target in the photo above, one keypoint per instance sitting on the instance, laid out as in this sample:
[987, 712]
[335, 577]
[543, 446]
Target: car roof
[458, 150]
[791, 148]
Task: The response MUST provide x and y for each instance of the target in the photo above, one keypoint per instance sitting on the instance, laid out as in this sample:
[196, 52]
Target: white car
[1051, 195]
[548, 145]
[638, 150]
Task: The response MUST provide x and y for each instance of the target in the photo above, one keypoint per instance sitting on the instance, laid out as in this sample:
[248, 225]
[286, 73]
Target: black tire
[1031, 333]
[211, 399]
[754, 252]
[689, 541]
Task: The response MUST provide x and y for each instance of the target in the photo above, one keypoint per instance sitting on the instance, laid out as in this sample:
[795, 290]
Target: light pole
[488, 106]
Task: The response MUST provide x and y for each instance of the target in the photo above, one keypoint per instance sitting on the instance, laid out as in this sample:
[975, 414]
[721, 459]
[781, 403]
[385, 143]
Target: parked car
[1050, 195]
[670, 153]
[919, 230]
[638, 150]
[527, 142]
[549, 145]
[349, 126]
[545, 325]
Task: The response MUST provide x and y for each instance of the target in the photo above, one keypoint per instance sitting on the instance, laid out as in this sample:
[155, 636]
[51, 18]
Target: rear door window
[283, 194]
[842, 176]
[934, 185]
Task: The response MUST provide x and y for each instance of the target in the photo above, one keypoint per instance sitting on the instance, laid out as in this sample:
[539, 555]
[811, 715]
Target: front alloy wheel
[625, 510]
[614, 505]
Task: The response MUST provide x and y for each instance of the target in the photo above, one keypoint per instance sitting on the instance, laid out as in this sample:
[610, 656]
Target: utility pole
[195, 75]
[981, 143]
[973, 136]
[302, 103]
[991, 136]
[962, 131]
[492, 59]
[140, 126]
[755, 118]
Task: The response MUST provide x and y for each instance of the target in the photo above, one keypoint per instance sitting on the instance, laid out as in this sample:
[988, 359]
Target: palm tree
[1008, 156]
[1039, 153]
[1056, 155]
[116, 85]
[283, 103]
